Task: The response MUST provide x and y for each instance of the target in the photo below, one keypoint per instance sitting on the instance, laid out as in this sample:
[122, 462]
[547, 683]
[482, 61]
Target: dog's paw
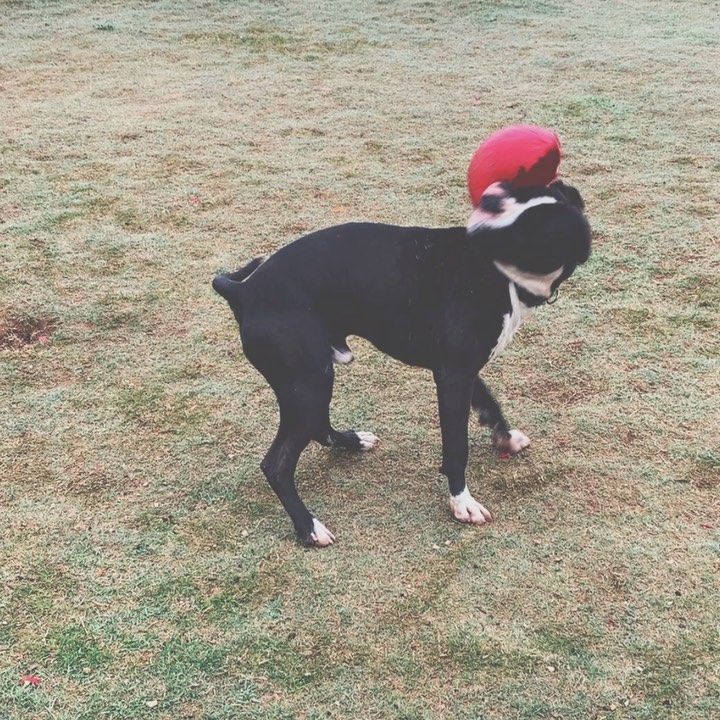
[367, 440]
[352, 440]
[320, 535]
[513, 444]
[467, 509]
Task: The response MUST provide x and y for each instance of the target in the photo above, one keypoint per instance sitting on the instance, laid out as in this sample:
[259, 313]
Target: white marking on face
[342, 357]
[519, 312]
[466, 508]
[367, 440]
[535, 283]
[510, 209]
[321, 535]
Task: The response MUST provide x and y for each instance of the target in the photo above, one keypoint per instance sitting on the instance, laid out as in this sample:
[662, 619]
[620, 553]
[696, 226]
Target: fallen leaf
[503, 456]
[26, 680]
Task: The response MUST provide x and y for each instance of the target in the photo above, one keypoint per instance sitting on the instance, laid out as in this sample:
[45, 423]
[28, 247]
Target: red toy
[522, 155]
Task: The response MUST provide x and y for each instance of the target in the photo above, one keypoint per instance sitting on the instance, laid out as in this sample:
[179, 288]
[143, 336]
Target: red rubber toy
[522, 155]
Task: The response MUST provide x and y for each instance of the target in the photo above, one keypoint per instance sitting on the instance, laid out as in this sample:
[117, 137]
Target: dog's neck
[533, 288]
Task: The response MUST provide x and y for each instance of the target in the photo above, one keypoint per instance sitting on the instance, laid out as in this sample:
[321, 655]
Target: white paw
[367, 440]
[518, 441]
[467, 509]
[514, 444]
[321, 536]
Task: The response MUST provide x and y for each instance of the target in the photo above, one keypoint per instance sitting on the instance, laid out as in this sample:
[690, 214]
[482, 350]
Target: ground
[147, 570]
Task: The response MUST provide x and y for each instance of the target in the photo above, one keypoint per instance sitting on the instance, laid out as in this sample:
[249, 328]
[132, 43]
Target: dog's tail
[229, 285]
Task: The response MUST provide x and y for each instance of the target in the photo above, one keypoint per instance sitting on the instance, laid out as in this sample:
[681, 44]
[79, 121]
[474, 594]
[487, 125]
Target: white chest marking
[342, 357]
[519, 312]
[534, 283]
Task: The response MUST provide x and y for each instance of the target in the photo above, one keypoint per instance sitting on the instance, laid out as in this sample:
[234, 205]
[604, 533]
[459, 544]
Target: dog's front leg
[454, 389]
[505, 439]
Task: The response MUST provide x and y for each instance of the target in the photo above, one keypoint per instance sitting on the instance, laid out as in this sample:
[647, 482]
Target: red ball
[522, 155]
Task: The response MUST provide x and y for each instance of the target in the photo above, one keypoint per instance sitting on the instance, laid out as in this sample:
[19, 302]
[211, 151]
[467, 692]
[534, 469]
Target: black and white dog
[446, 299]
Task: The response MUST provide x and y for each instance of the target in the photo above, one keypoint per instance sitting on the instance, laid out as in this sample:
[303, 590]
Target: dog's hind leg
[303, 415]
[279, 465]
[490, 414]
[349, 439]
[454, 391]
[294, 355]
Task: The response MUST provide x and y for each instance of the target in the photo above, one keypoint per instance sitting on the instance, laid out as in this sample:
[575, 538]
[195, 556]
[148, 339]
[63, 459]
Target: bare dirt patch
[19, 331]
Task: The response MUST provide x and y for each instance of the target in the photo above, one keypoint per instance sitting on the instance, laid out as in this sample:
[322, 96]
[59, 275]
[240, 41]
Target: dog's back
[402, 288]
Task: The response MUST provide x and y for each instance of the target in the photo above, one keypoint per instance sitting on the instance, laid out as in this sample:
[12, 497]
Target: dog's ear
[569, 194]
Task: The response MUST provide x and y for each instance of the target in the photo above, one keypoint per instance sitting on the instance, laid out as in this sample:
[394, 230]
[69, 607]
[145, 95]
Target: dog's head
[536, 236]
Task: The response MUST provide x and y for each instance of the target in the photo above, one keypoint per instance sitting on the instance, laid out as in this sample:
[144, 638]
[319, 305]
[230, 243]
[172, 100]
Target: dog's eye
[492, 203]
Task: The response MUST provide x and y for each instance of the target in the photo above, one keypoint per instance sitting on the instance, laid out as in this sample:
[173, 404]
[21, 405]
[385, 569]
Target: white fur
[518, 441]
[519, 312]
[367, 440]
[342, 357]
[321, 535]
[534, 283]
[510, 212]
[465, 508]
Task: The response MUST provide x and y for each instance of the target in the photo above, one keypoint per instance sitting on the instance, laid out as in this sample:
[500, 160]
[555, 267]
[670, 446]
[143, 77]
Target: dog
[445, 299]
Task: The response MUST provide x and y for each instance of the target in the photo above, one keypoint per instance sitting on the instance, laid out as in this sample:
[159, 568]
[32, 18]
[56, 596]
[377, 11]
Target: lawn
[147, 571]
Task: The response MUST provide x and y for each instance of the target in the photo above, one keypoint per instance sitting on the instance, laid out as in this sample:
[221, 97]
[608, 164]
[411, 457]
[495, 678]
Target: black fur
[432, 298]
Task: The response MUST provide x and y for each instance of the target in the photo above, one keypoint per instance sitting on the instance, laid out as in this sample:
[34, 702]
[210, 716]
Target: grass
[148, 572]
